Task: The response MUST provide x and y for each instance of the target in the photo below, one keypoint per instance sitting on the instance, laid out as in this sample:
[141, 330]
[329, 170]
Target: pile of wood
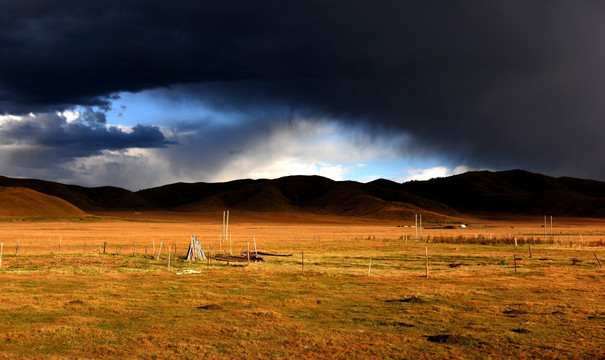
[270, 254]
[195, 251]
[238, 258]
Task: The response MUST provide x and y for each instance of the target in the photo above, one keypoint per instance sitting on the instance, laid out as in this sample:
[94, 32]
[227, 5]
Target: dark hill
[313, 194]
[478, 193]
[514, 191]
[87, 199]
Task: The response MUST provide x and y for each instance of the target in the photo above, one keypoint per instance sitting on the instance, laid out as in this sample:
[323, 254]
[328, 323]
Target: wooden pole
[426, 261]
[598, 261]
[248, 246]
[157, 257]
[254, 239]
[227, 233]
[416, 226]
[104, 246]
[515, 241]
[60, 240]
[370, 267]
[529, 250]
[133, 249]
[17, 250]
[515, 260]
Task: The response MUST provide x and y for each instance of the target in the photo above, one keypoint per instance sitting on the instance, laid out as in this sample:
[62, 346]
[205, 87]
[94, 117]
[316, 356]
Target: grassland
[72, 302]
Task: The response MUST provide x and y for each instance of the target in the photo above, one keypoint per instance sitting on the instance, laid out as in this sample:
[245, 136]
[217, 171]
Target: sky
[142, 93]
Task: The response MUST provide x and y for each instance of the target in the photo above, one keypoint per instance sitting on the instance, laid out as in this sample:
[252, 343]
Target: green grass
[132, 307]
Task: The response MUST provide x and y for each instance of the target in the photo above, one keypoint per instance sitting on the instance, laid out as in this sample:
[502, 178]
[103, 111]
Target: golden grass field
[70, 302]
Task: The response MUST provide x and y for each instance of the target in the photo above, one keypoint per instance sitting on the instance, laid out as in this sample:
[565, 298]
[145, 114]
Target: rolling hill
[513, 192]
[88, 199]
[313, 194]
[474, 193]
[23, 203]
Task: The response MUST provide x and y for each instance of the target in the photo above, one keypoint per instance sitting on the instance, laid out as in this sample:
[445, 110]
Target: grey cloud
[48, 139]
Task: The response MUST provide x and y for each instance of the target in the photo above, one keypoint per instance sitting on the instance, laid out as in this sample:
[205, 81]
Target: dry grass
[75, 303]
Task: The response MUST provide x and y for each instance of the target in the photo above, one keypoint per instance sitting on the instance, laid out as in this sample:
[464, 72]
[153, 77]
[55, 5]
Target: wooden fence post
[426, 261]
[598, 261]
[159, 250]
[255, 252]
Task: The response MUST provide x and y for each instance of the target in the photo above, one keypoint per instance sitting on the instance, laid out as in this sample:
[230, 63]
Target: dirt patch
[76, 302]
[514, 312]
[395, 323]
[411, 299]
[455, 265]
[446, 339]
[520, 331]
[210, 307]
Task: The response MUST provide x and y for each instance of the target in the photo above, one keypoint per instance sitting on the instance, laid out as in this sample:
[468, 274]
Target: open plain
[362, 291]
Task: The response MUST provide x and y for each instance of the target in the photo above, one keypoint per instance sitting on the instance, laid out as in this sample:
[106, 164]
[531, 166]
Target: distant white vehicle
[462, 226]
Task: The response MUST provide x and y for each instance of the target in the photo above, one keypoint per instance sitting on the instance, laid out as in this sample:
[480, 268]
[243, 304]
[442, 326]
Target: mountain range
[473, 193]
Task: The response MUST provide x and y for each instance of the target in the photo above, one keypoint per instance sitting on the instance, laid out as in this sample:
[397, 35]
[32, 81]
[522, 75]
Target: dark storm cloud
[487, 83]
[49, 138]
